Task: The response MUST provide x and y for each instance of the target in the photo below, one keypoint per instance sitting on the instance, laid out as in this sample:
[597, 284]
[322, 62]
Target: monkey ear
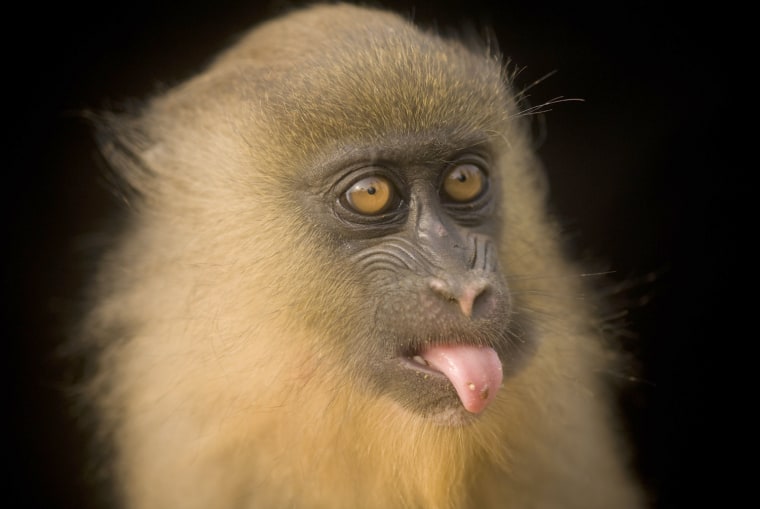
[122, 146]
[541, 181]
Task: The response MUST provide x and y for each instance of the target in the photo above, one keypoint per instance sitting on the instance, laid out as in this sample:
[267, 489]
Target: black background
[642, 175]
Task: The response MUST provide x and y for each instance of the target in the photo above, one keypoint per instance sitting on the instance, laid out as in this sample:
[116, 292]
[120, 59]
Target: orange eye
[464, 182]
[370, 196]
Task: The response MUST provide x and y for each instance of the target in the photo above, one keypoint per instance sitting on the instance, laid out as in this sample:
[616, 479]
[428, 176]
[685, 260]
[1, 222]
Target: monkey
[339, 285]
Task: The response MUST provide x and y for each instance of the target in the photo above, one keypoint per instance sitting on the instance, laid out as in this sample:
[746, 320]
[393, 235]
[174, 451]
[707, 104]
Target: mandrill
[338, 287]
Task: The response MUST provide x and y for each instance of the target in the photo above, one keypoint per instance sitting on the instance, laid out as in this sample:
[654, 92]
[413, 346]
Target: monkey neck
[376, 454]
[338, 445]
[360, 448]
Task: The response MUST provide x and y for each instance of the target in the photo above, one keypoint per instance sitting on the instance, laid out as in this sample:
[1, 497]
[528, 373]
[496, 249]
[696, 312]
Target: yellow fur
[215, 386]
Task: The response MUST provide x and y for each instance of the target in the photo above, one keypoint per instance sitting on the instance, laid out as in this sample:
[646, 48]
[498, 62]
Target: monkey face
[418, 223]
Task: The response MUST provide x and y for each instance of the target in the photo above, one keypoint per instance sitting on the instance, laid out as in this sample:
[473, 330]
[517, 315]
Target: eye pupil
[371, 190]
[461, 177]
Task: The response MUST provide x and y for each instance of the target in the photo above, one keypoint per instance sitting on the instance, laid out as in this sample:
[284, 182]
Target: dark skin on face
[418, 219]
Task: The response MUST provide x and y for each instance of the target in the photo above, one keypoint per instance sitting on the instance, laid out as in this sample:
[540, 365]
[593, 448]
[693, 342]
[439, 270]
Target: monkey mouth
[474, 371]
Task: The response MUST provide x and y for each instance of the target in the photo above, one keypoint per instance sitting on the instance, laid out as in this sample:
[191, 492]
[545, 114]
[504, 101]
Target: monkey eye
[464, 183]
[371, 195]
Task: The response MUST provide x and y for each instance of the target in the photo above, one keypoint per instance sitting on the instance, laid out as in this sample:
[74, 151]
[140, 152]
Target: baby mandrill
[338, 287]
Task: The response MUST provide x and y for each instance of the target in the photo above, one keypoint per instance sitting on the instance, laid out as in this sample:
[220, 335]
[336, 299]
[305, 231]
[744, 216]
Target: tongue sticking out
[474, 371]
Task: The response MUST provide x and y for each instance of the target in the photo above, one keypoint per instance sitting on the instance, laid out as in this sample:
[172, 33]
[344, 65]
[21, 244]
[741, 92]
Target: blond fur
[220, 383]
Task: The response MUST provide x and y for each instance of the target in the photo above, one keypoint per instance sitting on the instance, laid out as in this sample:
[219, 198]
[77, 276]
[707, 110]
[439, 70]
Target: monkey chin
[449, 385]
[429, 394]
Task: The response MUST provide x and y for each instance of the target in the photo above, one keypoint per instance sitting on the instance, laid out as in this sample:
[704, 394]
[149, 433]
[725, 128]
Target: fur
[218, 312]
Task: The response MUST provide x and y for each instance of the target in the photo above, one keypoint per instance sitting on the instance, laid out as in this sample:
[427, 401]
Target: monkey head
[339, 286]
[374, 177]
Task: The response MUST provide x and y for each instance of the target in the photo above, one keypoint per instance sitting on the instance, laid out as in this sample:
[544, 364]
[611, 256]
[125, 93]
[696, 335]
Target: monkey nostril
[469, 295]
[483, 302]
[473, 298]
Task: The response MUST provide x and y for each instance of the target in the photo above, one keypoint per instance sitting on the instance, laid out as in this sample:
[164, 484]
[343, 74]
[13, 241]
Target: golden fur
[219, 378]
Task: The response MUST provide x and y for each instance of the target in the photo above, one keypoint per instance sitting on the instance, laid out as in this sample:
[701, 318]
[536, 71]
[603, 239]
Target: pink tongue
[474, 371]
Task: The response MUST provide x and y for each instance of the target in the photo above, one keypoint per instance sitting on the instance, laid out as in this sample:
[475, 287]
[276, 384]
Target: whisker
[528, 277]
[540, 108]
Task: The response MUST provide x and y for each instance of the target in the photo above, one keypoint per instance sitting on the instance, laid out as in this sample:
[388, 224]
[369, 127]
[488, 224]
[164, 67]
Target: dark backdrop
[640, 172]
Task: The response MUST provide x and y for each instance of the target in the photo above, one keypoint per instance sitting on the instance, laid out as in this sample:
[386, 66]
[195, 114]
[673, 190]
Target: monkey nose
[467, 294]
